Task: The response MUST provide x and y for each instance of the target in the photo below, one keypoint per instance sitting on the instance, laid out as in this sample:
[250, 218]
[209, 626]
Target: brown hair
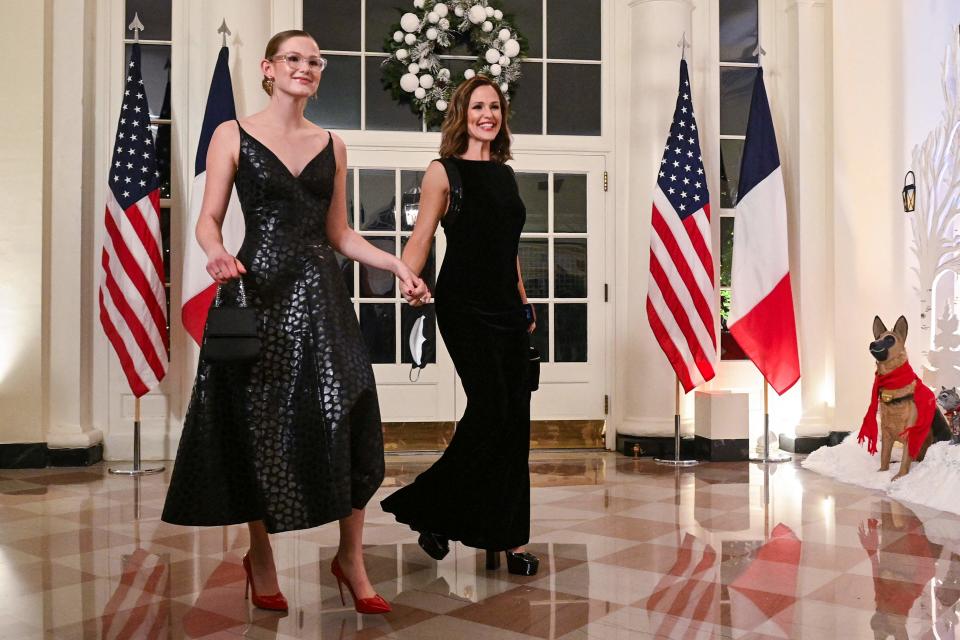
[454, 136]
[273, 46]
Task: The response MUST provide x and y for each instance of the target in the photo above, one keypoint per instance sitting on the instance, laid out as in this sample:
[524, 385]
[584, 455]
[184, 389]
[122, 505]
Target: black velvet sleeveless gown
[478, 492]
[294, 439]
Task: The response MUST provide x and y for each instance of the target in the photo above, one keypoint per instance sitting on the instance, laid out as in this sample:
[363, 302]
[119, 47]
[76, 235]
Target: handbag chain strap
[243, 294]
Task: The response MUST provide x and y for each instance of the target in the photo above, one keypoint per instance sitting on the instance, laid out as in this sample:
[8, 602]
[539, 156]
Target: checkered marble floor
[628, 550]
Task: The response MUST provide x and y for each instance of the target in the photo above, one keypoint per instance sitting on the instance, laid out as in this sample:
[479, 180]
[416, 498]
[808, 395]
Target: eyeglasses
[295, 62]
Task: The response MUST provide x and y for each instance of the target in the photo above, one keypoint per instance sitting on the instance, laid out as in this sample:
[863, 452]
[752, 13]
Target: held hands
[223, 267]
[413, 289]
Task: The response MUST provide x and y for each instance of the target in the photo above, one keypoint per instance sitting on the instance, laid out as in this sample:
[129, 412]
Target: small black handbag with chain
[231, 334]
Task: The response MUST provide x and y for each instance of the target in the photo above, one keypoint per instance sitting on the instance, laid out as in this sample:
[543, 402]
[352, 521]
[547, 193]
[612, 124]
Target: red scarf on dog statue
[922, 396]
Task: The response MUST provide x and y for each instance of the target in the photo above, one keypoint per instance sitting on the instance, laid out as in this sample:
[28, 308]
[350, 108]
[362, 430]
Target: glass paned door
[386, 191]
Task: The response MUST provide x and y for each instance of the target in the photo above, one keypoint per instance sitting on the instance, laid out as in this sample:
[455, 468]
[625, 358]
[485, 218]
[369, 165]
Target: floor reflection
[628, 549]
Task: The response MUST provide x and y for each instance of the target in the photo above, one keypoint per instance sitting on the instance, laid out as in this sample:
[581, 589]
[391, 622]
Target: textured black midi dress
[478, 492]
[295, 438]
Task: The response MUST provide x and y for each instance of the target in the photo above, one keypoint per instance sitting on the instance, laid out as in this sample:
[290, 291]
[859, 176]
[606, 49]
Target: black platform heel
[518, 564]
[435, 546]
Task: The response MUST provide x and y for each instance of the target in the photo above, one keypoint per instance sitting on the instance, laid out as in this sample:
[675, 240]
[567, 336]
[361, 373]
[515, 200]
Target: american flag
[680, 293]
[133, 306]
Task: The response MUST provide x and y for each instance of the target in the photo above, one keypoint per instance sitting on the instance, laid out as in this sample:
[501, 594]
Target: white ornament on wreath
[435, 27]
[477, 14]
[409, 22]
[409, 82]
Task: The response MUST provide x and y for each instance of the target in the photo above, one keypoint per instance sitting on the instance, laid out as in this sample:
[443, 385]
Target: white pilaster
[69, 262]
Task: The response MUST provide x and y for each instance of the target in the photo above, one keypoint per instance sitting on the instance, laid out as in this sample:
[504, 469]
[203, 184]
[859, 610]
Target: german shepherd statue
[908, 408]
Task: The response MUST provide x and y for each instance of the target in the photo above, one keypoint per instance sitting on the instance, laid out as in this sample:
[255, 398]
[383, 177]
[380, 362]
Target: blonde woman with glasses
[292, 440]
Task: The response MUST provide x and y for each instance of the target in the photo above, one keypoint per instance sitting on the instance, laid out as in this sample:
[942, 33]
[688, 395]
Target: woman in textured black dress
[478, 492]
[293, 440]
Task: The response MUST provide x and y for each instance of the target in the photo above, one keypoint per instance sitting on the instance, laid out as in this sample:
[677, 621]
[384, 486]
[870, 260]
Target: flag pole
[766, 457]
[136, 469]
[676, 462]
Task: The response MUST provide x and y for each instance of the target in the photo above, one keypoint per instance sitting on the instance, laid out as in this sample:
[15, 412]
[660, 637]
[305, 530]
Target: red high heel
[276, 602]
[373, 604]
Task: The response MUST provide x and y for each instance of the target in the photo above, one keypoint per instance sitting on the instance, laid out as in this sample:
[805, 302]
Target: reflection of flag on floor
[685, 602]
[138, 607]
[198, 287]
[762, 597]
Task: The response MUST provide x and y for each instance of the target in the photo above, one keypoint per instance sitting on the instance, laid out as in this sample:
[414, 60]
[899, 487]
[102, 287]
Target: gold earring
[268, 85]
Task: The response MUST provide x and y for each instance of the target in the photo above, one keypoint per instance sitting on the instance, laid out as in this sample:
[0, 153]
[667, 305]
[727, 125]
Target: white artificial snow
[934, 483]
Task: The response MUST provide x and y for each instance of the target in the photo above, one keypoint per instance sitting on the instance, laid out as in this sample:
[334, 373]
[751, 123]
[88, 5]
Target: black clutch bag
[231, 333]
[534, 376]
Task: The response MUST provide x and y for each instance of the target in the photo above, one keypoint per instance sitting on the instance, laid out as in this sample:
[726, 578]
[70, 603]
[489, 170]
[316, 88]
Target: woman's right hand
[223, 267]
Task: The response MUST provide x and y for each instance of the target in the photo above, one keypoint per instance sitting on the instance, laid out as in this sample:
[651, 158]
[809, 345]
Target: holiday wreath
[414, 72]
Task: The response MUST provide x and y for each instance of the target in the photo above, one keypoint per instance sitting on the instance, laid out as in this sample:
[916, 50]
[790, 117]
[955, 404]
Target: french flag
[199, 289]
[761, 311]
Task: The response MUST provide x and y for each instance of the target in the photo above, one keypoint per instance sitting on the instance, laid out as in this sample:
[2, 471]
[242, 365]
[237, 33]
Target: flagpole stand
[767, 457]
[137, 469]
[676, 462]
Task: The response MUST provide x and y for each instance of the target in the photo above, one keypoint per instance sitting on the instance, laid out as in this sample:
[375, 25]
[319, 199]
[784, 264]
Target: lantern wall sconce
[909, 192]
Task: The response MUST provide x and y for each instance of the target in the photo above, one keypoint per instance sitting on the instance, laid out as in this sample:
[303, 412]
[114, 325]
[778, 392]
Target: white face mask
[417, 340]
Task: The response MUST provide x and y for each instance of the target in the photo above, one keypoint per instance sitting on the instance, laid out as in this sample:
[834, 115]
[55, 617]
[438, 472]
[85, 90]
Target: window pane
[346, 270]
[526, 106]
[533, 192]
[429, 273]
[573, 29]
[569, 203]
[377, 200]
[155, 69]
[335, 25]
[731, 152]
[155, 16]
[409, 198]
[165, 240]
[540, 339]
[736, 88]
[573, 116]
[726, 250]
[383, 112]
[738, 30]
[337, 104]
[383, 16]
[533, 266]
[570, 268]
[350, 198]
[409, 315]
[377, 324]
[161, 141]
[725, 299]
[377, 283]
[527, 17]
[570, 325]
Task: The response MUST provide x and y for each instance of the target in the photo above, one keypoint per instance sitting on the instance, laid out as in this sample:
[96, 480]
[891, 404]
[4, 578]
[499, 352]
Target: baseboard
[37, 455]
[23, 455]
[78, 457]
[809, 444]
[653, 446]
[725, 450]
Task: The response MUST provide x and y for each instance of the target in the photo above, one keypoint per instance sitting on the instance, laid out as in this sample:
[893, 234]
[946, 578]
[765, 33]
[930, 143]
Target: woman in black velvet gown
[293, 440]
[478, 492]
